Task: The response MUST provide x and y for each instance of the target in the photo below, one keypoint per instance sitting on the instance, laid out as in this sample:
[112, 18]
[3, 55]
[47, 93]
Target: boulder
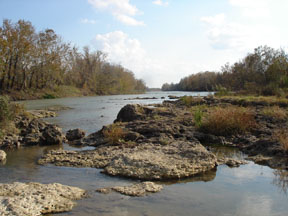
[52, 135]
[132, 112]
[37, 199]
[140, 189]
[75, 134]
[2, 156]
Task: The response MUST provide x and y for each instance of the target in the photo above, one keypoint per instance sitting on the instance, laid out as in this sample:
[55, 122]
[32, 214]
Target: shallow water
[248, 190]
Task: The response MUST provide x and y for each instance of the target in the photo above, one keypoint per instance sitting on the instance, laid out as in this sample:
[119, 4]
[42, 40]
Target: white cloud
[129, 52]
[160, 3]
[88, 21]
[226, 32]
[122, 10]
[255, 8]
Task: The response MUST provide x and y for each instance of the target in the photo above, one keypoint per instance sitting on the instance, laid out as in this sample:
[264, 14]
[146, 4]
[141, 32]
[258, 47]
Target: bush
[228, 120]
[49, 96]
[282, 137]
[5, 110]
[113, 134]
[191, 101]
[275, 112]
[198, 116]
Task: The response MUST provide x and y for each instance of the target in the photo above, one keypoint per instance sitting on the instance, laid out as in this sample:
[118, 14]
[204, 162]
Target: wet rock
[52, 135]
[132, 112]
[2, 156]
[174, 161]
[75, 134]
[147, 161]
[42, 113]
[140, 189]
[231, 162]
[32, 139]
[22, 199]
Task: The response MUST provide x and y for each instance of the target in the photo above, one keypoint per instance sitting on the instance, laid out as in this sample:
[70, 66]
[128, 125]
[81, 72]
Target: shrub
[198, 116]
[282, 137]
[49, 96]
[113, 134]
[275, 112]
[5, 111]
[191, 101]
[228, 120]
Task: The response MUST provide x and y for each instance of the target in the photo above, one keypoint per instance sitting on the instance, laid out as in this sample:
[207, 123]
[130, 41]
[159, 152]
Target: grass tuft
[113, 134]
[281, 136]
[228, 121]
[275, 112]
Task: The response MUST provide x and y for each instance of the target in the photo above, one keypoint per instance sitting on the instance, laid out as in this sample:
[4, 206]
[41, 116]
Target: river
[248, 190]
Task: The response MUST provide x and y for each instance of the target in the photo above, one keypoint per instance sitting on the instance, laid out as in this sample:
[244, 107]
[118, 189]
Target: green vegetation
[198, 115]
[228, 120]
[263, 72]
[40, 64]
[8, 111]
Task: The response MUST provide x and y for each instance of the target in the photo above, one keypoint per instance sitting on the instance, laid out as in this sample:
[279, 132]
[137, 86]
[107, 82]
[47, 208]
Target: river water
[245, 191]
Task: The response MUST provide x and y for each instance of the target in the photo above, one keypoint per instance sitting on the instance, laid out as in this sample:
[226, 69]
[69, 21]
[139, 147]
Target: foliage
[263, 72]
[33, 61]
[221, 91]
[49, 96]
[198, 116]
[228, 120]
[113, 134]
[5, 110]
[275, 112]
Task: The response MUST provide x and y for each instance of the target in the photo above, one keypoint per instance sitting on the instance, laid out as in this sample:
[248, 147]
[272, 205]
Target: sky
[160, 40]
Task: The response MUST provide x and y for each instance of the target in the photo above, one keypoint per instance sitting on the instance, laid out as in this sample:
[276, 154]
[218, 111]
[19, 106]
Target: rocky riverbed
[163, 142]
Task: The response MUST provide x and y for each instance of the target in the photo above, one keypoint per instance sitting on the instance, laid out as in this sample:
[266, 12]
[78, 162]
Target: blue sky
[161, 40]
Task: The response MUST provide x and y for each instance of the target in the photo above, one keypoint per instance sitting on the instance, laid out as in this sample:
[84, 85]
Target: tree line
[263, 72]
[31, 60]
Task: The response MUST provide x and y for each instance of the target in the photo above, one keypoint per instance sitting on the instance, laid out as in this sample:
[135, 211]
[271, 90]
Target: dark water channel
[248, 190]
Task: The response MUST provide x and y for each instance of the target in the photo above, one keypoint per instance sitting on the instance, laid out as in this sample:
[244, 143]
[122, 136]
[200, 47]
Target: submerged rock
[42, 113]
[140, 189]
[231, 162]
[22, 199]
[2, 156]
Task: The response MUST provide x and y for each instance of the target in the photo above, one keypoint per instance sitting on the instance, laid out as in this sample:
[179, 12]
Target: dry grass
[191, 101]
[228, 121]
[113, 134]
[281, 136]
[270, 100]
[275, 112]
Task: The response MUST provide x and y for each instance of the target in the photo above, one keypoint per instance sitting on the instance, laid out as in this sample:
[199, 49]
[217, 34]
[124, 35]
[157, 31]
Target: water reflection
[281, 180]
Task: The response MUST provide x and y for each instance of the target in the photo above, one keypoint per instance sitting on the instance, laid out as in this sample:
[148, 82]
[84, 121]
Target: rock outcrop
[146, 161]
[140, 189]
[2, 156]
[28, 199]
[75, 134]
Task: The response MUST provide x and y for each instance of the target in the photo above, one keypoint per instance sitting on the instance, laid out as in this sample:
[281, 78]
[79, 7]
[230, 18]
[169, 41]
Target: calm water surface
[248, 190]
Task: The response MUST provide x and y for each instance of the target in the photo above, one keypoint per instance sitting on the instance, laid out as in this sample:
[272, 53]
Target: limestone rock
[26, 199]
[132, 112]
[2, 156]
[174, 161]
[140, 189]
[75, 134]
[52, 135]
